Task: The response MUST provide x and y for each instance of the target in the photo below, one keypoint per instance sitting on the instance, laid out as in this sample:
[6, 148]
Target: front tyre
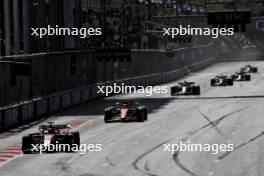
[107, 116]
[26, 145]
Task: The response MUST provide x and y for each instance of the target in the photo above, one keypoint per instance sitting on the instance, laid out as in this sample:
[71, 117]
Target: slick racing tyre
[196, 90]
[140, 115]
[230, 82]
[145, 114]
[248, 77]
[26, 145]
[76, 138]
[175, 89]
[213, 82]
[255, 70]
[107, 116]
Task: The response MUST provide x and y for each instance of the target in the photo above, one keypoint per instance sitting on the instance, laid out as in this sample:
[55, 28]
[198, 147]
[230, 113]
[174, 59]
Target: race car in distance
[125, 112]
[185, 88]
[50, 134]
[249, 69]
[222, 80]
[241, 76]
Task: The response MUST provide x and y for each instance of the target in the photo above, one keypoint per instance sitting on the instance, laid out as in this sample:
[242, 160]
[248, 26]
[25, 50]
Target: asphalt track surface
[221, 115]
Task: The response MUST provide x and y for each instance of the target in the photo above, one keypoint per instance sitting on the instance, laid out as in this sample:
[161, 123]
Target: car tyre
[107, 116]
[26, 145]
[213, 82]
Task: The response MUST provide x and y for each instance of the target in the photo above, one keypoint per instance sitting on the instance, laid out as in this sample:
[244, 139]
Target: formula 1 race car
[50, 134]
[185, 88]
[125, 112]
[241, 76]
[222, 81]
[249, 69]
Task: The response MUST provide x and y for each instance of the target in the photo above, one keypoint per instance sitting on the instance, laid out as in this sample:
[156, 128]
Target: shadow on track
[215, 98]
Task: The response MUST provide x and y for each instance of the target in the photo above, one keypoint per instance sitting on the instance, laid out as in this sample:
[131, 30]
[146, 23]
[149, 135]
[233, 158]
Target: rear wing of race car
[186, 83]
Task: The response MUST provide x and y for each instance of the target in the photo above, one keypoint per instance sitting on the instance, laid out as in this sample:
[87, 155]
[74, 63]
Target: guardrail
[44, 106]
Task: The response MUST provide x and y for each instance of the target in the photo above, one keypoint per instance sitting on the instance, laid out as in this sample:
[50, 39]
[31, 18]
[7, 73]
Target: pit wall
[146, 68]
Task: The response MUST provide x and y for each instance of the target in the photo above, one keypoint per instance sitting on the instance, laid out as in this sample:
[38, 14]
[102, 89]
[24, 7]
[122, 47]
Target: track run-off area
[220, 115]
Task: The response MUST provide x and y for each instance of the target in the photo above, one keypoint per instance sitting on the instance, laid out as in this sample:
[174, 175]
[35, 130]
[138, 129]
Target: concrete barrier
[41, 107]
[76, 97]
[26, 112]
[54, 103]
[1, 122]
[11, 116]
[201, 65]
[66, 100]
[86, 94]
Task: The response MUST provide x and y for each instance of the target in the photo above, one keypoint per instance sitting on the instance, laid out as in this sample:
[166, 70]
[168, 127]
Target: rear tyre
[197, 90]
[26, 145]
[255, 70]
[230, 82]
[174, 90]
[76, 137]
[248, 77]
[213, 82]
[145, 114]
